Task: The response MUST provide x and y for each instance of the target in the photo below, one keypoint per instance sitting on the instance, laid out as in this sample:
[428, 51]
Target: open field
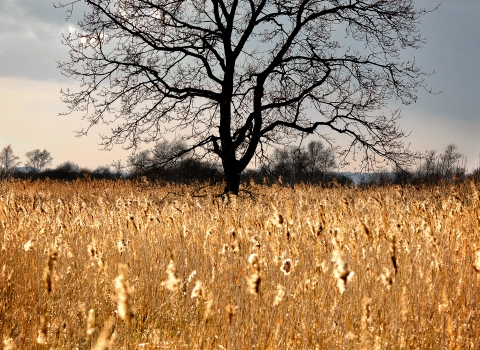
[117, 265]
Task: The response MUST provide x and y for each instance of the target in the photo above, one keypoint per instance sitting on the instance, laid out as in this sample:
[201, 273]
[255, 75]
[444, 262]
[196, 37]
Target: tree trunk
[232, 176]
[232, 184]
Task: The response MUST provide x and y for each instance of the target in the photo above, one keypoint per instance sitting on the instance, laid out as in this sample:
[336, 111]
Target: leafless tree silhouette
[241, 75]
[8, 161]
[38, 160]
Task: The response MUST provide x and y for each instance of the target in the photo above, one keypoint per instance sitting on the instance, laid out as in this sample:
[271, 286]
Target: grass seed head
[42, 331]
[254, 283]
[124, 293]
[254, 262]
[198, 291]
[172, 283]
[48, 270]
[190, 277]
[29, 245]
[90, 323]
[8, 344]
[387, 278]
[286, 267]
[104, 341]
[280, 295]
[208, 307]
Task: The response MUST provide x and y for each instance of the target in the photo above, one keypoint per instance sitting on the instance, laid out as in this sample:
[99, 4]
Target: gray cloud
[41, 10]
[452, 50]
[30, 39]
[31, 54]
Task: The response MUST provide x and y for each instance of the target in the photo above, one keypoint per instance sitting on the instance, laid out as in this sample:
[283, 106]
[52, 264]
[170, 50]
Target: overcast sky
[30, 83]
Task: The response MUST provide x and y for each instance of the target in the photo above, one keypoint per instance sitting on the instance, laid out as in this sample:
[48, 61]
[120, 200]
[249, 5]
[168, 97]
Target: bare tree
[171, 161]
[169, 153]
[434, 167]
[429, 167]
[449, 161]
[320, 158]
[241, 75]
[140, 162]
[8, 161]
[289, 162]
[311, 163]
[38, 160]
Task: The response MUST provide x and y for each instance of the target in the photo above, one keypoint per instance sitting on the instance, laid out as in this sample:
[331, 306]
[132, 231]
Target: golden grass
[110, 265]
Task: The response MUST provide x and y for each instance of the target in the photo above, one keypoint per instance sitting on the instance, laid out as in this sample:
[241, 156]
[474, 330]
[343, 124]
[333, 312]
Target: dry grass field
[114, 265]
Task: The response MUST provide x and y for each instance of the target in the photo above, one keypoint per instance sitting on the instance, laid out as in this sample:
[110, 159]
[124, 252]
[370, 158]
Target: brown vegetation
[98, 264]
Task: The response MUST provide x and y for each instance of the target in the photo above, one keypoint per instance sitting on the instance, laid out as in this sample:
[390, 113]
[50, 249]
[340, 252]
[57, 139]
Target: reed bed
[116, 265]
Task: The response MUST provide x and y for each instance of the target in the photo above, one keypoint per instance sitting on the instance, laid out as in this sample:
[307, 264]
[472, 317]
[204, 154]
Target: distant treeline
[172, 162]
[432, 168]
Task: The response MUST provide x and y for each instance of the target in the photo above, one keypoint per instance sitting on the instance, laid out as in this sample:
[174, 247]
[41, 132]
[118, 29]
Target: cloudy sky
[30, 83]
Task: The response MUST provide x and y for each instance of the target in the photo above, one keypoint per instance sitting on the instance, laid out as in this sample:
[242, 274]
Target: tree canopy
[237, 76]
[312, 163]
[8, 160]
[37, 160]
